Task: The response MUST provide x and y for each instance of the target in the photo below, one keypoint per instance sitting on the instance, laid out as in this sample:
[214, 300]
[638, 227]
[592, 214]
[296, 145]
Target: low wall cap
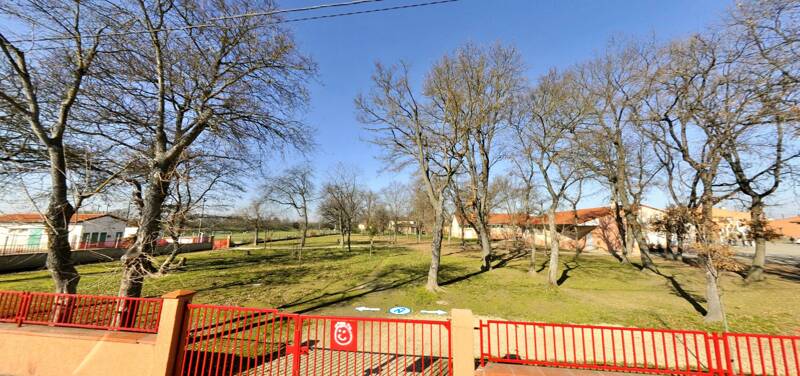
[178, 294]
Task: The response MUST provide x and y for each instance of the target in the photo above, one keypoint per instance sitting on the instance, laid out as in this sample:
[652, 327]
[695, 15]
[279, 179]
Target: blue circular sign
[399, 310]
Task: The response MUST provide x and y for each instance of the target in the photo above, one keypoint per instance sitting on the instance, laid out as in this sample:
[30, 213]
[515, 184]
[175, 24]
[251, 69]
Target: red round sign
[344, 335]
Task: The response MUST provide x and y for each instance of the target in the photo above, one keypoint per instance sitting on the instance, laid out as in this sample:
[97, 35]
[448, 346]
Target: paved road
[779, 253]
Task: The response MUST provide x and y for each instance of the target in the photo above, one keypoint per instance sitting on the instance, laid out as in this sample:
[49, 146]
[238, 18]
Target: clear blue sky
[548, 33]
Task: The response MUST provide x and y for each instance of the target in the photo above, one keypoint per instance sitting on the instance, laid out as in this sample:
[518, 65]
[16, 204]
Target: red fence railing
[11, 303]
[758, 354]
[120, 243]
[232, 341]
[607, 348]
[81, 311]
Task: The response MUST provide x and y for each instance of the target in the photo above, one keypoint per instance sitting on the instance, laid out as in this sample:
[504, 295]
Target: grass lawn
[595, 289]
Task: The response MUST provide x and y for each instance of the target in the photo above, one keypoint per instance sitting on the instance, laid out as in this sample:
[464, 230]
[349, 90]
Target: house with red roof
[25, 232]
[587, 229]
[788, 227]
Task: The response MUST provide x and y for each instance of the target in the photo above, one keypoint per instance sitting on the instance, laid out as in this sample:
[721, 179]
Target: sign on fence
[345, 335]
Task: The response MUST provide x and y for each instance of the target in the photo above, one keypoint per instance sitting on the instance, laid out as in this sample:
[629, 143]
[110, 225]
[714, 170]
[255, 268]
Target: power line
[367, 11]
[207, 23]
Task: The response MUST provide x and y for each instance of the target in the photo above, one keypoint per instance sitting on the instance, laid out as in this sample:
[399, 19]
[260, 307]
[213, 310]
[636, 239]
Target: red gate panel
[222, 340]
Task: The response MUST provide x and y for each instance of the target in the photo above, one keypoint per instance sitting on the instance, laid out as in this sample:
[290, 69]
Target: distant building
[588, 229]
[788, 227]
[733, 226]
[403, 226]
[25, 232]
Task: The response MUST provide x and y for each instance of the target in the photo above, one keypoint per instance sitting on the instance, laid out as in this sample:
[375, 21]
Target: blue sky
[548, 33]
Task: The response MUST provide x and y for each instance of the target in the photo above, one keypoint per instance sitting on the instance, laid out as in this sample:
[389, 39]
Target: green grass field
[595, 289]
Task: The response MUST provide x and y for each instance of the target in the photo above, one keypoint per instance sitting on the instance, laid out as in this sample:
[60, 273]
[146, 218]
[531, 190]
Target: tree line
[703, 119]
[162, 98]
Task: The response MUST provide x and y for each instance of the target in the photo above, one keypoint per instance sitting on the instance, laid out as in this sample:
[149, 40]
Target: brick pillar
[170, 328]
[462, 333]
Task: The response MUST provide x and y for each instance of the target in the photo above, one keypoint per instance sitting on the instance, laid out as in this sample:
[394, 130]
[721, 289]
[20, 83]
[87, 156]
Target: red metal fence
[244, 341]
[758, 354]
[606, 348]
[221, 243]
[81, 311]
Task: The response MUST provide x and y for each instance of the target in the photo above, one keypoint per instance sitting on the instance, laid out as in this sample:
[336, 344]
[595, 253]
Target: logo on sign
[344, 335]
[400, 310]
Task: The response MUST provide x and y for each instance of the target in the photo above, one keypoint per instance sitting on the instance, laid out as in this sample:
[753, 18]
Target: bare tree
[256, 212]
[189, 74]
[371, 216]
[342, 201]
[411, 130]
[616, 85]
[198, 177]
[397, 197]
[763, 142]
[548, 117]
[474, 88]
[771, 34]
[294, 188]
[40, 84]
[693, 95]
[528, 203]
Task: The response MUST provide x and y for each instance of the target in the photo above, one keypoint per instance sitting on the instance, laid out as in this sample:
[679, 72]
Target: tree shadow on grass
[565, 272]
[381, 282]
[502, 262]
[678, 290]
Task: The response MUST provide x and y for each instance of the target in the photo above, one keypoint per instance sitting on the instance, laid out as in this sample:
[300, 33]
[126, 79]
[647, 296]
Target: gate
[221, 340]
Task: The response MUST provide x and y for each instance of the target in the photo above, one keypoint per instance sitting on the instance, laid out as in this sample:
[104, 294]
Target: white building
[25, 232]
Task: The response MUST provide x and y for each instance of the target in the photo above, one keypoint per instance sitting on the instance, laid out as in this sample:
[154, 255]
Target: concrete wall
[45, 350]
[12, 263]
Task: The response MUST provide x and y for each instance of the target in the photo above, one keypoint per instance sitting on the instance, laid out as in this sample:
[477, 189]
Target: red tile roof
[562, 218]
[38, 218]
[568, 217]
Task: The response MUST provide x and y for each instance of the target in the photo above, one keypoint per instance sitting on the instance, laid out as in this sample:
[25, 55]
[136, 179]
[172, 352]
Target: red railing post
[728, 370]
[24, 305]
[298, 337]
[480, 335]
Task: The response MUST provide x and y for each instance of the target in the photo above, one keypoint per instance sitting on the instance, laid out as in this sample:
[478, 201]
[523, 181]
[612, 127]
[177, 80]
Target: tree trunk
[58, 215]
[348, 241]
[304, 230]
[552, 275]
[714, 311]
[436, 249]
[255, 238]
[623, 234]
[168, 261]
[137, 260]
[371, 244]
[756, 271]
[638, 236]
[486, 246]
[341, 235]
[532, 266]
[668, 249]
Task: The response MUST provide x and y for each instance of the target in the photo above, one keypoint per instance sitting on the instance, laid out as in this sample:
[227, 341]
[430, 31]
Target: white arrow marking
[437, 312]
[362, 309]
